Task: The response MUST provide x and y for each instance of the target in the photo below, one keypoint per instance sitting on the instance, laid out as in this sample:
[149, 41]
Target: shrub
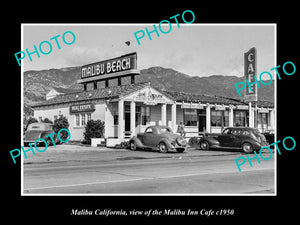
[61, 122]
[93, 129]
[194, 141]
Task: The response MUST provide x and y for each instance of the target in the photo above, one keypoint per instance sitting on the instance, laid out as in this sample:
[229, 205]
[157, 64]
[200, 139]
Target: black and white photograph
[119, 113]
[148, 112]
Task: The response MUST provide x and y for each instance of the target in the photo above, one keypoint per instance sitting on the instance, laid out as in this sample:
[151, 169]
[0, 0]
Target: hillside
[38, 83]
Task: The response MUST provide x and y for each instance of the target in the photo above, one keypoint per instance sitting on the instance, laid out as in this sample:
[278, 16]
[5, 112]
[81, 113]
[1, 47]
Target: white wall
[63, 109]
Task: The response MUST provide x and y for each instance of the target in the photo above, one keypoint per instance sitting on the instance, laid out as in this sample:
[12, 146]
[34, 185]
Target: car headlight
[180, 141]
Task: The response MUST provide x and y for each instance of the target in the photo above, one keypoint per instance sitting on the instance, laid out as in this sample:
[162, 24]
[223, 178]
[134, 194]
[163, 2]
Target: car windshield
[227, 131]
[164, 130]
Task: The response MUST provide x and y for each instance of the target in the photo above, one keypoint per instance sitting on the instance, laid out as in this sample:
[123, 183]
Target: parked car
[158, 138]
[245, 138]
[269, 134]
[39, 130]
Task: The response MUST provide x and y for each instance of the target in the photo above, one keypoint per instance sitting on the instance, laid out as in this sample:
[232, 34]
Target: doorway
[127, 117]
[202, 120]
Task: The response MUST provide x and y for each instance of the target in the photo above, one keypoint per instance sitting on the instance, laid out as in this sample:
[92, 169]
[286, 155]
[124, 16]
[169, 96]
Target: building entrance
[127, 117]
[202, 120]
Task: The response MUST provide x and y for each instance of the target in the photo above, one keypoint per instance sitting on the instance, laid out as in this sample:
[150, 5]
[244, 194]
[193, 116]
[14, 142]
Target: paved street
[71, 169]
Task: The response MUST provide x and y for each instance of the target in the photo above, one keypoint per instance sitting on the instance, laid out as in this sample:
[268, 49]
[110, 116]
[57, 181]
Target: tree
[61, 122]
[93, 129]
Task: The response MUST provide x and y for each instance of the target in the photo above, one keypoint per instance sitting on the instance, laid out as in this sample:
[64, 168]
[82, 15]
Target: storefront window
[77, 120]
[88, 116]
[116, 119]
[138, 115]
[145, 114]
[226, 118]
[240, 118]
[82, 119]
[216, 118]
[263, 120]
[219, 118]
[190, 117]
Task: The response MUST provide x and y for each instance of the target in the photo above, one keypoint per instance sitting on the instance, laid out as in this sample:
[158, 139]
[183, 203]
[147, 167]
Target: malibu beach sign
[119, 64]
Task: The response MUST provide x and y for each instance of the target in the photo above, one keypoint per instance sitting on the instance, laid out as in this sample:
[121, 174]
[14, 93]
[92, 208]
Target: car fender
[211, 141]
[138, 142]
[45, 133]
[255, 144]
[166, 141]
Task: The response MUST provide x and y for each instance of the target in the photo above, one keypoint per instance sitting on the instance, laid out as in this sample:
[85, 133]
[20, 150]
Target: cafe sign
[250, 61]
[89, 107]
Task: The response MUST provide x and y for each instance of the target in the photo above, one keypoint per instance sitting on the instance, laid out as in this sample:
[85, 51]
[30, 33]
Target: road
[126, 172]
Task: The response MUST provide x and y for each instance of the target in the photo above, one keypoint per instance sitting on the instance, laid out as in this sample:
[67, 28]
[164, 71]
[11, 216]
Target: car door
[237, 137]
[225, 138]
[149, 137]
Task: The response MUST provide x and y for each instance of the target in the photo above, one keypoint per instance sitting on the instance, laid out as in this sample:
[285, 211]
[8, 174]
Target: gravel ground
[71, 152]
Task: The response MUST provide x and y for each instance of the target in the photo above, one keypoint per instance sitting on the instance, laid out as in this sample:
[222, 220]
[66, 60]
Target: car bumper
[33, 141]
[258, 146]
[173, 147]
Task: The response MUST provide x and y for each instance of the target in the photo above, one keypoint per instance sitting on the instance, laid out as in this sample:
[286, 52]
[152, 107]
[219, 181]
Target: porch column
[251, 115]
[132, 118]
[272, 119]
[208, 129]
[164, 114]
[121, 119]
[173, 117]
[231, 116]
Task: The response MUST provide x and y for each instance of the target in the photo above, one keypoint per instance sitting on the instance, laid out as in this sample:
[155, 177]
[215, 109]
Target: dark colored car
[245, 138]
[269, 134]
[39, 130]
[158, 138]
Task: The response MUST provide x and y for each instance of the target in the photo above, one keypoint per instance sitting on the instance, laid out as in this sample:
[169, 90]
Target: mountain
[221, 85]
[38, 83]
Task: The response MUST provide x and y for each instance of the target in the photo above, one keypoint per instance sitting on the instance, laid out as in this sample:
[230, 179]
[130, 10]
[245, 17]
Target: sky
[193, 49]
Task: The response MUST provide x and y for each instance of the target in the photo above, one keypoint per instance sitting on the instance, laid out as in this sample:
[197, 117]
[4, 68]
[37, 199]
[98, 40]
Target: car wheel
[247, 147]
[180, 150]
[204, 145]
[132, 145]
[162, 147]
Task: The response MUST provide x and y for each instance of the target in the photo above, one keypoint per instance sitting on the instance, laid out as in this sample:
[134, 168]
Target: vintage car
[158, 138]
[245, 138]
[39, 130]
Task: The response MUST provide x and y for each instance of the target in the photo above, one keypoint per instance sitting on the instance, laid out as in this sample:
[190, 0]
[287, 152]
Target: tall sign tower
[250, 63]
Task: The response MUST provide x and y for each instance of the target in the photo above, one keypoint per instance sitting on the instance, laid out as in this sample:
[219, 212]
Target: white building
[129, 109]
